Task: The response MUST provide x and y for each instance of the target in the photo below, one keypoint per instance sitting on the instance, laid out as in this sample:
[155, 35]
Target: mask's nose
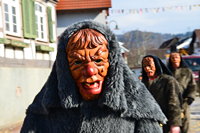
[90, 70]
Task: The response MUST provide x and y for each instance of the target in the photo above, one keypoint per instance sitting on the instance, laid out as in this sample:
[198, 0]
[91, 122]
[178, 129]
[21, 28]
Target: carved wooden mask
[149, 66]
[87, 54]
[175, 59]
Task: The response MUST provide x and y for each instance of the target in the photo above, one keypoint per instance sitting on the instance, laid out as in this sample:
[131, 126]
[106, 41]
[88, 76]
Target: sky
[160, 16]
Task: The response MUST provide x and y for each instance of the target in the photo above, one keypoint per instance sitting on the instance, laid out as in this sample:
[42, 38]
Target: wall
[22, 75]
[65, 18]
[101, 17]
[17, 89]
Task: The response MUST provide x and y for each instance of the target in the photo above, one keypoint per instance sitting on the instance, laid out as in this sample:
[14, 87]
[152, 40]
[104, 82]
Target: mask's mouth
[150, 73]
[93, 87]
[176, 64]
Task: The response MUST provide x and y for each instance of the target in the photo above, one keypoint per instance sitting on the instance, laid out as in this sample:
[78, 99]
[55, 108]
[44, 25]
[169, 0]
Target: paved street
[195, 116]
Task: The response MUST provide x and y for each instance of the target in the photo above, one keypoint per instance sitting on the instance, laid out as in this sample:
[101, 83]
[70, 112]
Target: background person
[165, 90]
[188, 85]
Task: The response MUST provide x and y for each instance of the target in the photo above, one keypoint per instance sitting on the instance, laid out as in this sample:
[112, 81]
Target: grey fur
[124, 99]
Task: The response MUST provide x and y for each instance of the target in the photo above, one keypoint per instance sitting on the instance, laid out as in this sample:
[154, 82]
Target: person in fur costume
[188, 85]
[165, 90]
[91, 89]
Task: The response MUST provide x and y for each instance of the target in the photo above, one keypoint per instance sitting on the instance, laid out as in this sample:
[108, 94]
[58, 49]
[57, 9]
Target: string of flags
[153, 10]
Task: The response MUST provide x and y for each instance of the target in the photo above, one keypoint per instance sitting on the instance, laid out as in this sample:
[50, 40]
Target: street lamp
[110, 23]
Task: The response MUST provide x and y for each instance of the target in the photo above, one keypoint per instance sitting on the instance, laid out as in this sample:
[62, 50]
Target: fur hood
[161, 68]
[123, 92]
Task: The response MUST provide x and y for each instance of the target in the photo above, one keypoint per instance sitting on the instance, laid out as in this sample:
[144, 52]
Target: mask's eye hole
[78, 62]
[98, 60]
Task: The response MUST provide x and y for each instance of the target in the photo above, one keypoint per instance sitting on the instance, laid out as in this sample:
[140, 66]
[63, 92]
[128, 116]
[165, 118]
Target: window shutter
[50, 24]
[33, 20]
[29, 25]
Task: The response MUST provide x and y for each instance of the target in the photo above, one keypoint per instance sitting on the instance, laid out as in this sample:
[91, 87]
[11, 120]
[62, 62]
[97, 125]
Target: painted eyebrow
[101, 50]
[98, 53]
[76, 55]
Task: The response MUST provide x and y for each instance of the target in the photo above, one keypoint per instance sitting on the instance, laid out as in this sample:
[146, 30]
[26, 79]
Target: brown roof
[82, 4]
[169, 43]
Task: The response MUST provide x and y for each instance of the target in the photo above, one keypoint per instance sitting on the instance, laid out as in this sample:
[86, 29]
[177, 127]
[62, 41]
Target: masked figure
[91, 89]
[188, 85]
[165, 90]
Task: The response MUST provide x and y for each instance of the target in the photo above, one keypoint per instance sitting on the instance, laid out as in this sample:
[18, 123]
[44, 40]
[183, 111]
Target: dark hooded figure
[188, 85]
[165, 90]
[91, 89]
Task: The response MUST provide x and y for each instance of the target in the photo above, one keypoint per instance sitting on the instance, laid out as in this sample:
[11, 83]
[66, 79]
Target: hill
[135, 39]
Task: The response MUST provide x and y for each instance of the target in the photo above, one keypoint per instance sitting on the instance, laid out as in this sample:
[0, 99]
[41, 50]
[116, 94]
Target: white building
[27, 51]
[27, 29]
[123, 51]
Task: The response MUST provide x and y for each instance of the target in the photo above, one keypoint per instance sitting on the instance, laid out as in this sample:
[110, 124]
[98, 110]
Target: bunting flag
[153, 10]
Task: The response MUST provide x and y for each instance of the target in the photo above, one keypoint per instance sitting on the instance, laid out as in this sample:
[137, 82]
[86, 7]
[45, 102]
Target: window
[12, 17]
[41, 29]
[14, 52]
[19, 53]
[9, 52]
[42, 55]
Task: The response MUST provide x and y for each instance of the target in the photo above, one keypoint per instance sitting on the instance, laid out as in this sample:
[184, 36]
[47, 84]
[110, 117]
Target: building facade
[28, 29]
[71, 11]
[27, 50]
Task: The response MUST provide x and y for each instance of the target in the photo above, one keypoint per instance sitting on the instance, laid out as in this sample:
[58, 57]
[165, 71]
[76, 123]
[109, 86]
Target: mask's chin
[150, 74]
[176, 64]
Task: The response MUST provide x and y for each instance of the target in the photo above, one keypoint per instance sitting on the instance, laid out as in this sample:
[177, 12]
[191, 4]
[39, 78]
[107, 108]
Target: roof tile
[82, 4]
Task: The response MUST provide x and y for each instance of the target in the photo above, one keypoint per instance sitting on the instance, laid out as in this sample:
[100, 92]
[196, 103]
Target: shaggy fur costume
[125, 105]
[188, 89]
[165, 90]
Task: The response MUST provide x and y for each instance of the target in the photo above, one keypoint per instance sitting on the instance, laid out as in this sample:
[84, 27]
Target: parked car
[193, 62]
